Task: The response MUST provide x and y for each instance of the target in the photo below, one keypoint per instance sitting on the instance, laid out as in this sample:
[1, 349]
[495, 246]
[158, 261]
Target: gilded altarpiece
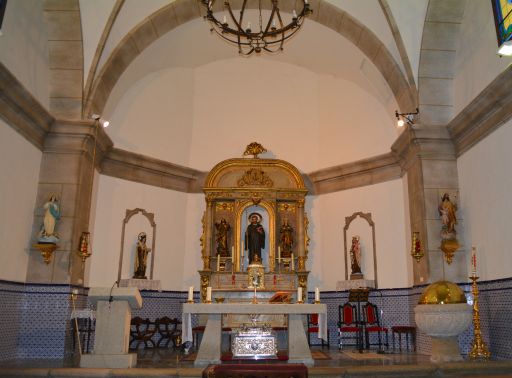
[236, 188]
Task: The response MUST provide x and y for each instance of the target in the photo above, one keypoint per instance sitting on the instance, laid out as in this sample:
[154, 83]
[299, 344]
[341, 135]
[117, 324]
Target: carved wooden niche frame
[151, 219]
[348, 221]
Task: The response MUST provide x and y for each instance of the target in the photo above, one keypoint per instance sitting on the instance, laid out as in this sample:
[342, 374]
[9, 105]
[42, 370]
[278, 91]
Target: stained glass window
[503, 19]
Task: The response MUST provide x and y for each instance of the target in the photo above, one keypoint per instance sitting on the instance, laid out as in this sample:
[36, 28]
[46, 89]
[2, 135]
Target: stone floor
[328, 363]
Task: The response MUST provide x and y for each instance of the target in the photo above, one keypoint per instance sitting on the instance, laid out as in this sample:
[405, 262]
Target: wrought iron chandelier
[268, 35]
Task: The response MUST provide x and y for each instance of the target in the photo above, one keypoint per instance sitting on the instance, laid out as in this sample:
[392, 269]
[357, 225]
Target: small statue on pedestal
[355, 258]
[449, 242]
[141, 257]
[286, 232]
[51, 217]
[223, 228]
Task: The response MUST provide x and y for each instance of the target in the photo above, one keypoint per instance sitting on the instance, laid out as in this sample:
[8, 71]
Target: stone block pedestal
[112, 333]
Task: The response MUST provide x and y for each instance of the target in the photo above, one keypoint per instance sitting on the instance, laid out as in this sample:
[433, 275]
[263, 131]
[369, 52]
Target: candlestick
[479, 348]
[473, 260]
[190, 294]
[293, 263]
[299, 295]
[317, 295]
[218, 262]
[209, 294]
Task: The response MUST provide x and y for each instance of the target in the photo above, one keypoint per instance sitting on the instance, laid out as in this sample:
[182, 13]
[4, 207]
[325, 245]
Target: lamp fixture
[416, 250]
[103, 122]
[505, 49]
[268, 35]
[403, 118]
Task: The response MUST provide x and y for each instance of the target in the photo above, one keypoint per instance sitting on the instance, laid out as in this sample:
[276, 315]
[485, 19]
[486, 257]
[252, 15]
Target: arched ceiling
[169, 17]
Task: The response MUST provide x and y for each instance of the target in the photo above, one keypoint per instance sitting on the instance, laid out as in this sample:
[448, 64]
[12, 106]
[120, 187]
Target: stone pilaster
[67, 171]
[427, 156]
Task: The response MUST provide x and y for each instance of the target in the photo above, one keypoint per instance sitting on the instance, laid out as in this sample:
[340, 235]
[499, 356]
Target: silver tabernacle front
[254, 341]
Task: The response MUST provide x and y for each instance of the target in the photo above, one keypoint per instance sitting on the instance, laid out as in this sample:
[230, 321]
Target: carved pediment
[255, 177]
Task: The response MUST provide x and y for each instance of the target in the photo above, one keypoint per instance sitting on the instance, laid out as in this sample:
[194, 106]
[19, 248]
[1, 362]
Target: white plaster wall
[155, 116]
[370, 13]
[191, 46]
[312, 120]
[20, 174]
[172, 220]
[485, 181]
[326, 258]
[477, 62]
[24, 46]
[94, 15]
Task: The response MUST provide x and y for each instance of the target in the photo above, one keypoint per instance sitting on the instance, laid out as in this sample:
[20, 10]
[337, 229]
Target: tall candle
[209, 294]
[232, 252]
[218, 263]
[191, 293]
[293, 263]
[473, 260]
[299, 294]
[279, 253]
[317, 294]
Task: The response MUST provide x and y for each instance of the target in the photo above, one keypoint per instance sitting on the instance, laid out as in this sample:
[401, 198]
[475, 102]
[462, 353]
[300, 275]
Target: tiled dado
[35, 317]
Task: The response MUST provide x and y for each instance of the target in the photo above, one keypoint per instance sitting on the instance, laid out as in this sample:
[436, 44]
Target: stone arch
[180, 11]
[441, 34]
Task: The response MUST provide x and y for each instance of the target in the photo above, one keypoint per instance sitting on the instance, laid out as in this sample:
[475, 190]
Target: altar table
[209, 351]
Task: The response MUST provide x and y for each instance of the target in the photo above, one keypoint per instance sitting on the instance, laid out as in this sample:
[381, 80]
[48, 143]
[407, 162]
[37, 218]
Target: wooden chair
[372, 324]
[168, 330]
[313, 328]
[348, 327]
[142, 330]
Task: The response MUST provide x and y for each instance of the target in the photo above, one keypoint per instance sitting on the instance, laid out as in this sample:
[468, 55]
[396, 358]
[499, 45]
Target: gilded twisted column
[301, 250]
[207, 234]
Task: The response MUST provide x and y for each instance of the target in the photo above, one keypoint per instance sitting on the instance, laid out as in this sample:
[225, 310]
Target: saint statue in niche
[141, 257]
[255, 238]
[223, 228]
[355, 256]
[286, 232]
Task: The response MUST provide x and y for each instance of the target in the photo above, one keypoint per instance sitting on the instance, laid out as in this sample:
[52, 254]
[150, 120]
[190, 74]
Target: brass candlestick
[479, 348]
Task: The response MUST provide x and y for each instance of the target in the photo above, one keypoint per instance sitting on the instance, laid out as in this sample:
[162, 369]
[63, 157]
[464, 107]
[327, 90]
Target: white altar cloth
[209, 351]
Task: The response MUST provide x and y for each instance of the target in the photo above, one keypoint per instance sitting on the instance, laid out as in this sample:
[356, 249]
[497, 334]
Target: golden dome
[442, 292]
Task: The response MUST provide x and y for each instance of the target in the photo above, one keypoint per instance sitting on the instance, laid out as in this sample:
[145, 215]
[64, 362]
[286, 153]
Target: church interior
[306, 187]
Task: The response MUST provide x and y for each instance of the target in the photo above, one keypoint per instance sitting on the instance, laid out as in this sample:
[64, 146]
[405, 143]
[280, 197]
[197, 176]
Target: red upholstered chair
[313, 328]
[348, 329]
[372, 324]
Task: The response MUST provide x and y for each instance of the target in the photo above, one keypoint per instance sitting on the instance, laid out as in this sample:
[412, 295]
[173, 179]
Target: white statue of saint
[51, 216]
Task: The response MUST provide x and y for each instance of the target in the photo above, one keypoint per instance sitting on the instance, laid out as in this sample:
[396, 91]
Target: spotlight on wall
[505, 49]
[403, 118]
[103, 122]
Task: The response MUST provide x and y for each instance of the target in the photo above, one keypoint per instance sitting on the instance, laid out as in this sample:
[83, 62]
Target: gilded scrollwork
[224, 206]
[205, 282]
[300, 203]
[255, 177]
[287, 207]
[254, 149]
[301, 262]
